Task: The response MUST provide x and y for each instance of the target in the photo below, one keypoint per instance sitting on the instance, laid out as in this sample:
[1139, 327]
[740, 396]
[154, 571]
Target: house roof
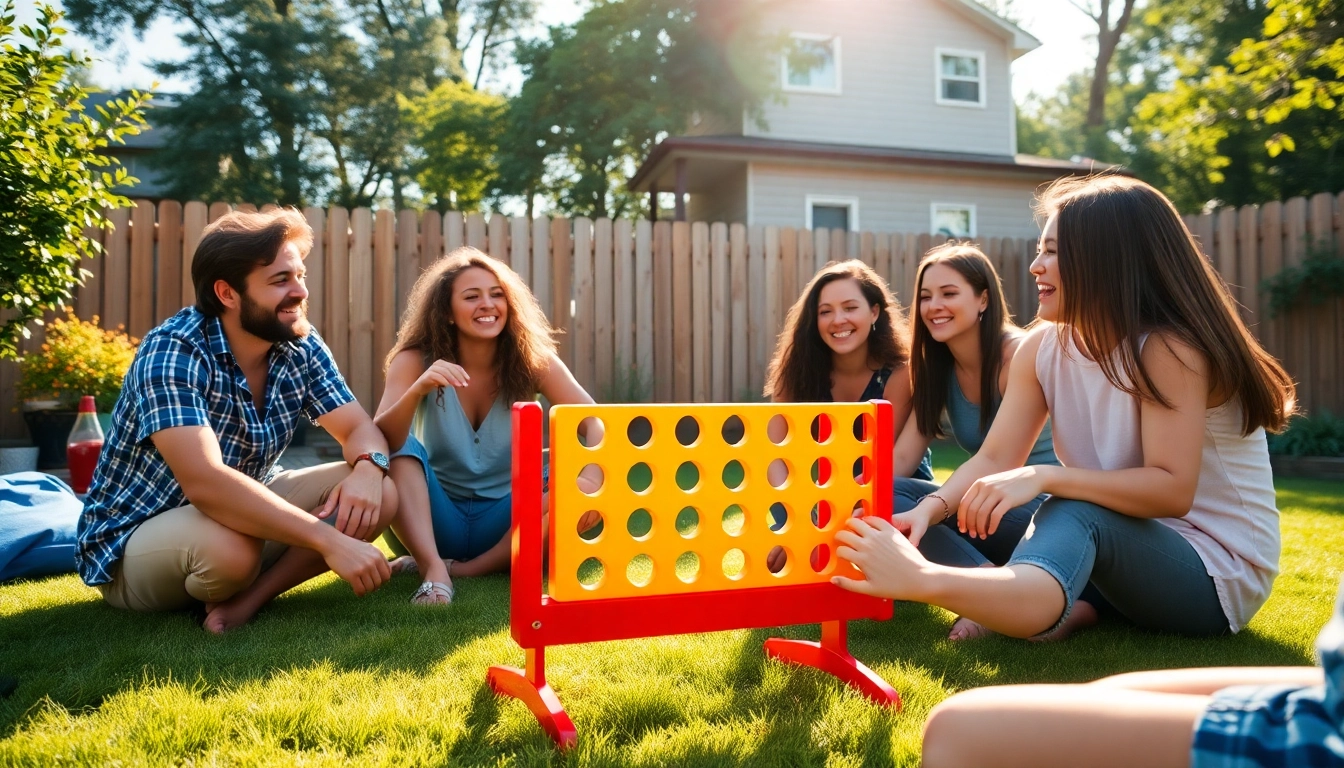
[1023, 42]
[148, 139]
[659, 168]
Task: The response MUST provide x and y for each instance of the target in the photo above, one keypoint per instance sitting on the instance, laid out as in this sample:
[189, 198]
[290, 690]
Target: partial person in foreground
[473, 342]
[1228, 717]
[961, 342]
[187, 505]
[1159, 398]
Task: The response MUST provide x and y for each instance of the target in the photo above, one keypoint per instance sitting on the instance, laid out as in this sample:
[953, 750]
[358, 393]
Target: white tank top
[1233, 524]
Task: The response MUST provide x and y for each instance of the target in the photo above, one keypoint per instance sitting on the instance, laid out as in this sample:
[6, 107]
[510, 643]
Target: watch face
[380, 459]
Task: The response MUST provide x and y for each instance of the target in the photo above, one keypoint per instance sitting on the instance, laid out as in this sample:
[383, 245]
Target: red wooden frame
[537, 621]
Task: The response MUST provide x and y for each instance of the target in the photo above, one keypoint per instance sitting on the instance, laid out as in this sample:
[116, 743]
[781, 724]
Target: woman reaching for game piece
[473, 342]
[1159, 398]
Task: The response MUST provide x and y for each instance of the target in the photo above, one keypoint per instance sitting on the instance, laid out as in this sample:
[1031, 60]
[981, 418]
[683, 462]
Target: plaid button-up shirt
[185, 375]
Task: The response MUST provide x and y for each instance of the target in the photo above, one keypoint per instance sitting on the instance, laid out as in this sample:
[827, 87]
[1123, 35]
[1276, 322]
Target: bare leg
[1206, 680]
[1016, 600]
[966, 629]
[413, 525]
[294, 567]
[1064, 725]
[1083, 615]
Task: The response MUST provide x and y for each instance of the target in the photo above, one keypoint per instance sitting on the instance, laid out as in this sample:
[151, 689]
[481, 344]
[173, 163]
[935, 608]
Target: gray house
[898, 118]
[137, 150]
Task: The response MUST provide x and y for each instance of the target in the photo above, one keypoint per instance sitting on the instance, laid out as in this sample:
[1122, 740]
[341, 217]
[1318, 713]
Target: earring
[981, 317]
[874, 328]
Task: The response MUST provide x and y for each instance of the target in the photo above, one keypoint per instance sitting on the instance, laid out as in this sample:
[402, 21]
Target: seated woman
[473, 342]
[961, 341]
[1229, 717]
[844, 342]
[1158, 397]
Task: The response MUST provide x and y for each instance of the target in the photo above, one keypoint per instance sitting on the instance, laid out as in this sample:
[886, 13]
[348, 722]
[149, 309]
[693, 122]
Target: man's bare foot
[965, 629]
[1084, 615]
[234, 612]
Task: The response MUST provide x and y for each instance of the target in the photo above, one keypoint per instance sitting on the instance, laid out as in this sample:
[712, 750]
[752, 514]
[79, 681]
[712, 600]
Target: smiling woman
[475, 339]
[845, 340]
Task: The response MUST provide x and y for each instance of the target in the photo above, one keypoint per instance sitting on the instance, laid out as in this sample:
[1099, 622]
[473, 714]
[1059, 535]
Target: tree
[51, 185]
[599, 94]
[1108, 40]
[1256, 113]
[456, 130]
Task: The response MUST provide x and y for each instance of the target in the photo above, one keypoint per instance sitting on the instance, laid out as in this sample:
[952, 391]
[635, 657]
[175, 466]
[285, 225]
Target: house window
[953, 220]
[832, 213]
[811, 64]
[961, 78]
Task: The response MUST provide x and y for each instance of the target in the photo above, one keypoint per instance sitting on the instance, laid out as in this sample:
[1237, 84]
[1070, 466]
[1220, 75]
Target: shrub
[77, 359]
[55, 177]
[1321, 434]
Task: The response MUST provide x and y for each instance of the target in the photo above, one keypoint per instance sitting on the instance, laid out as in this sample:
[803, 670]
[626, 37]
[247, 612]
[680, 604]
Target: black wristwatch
[375, 458]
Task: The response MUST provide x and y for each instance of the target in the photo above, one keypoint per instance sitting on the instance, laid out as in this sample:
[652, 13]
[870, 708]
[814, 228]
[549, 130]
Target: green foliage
[1319, 278]
[1254, 111]
[1320, 434]
[456, 129]
[600, 94]
[77, 359]
[55, 180]
[1194, 88]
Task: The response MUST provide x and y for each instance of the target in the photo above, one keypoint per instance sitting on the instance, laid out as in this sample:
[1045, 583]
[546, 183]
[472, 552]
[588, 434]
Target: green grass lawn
[324, 678]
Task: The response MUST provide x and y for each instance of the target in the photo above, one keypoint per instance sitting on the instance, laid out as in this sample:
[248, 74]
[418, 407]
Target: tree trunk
[1108, 39]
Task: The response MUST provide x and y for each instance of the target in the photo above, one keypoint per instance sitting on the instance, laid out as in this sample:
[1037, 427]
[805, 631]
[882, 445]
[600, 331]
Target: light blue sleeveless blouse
[469, 463]
[965, 418]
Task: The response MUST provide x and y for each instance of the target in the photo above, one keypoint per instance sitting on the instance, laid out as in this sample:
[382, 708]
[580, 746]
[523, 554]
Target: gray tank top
[469, 463]
[965, 418]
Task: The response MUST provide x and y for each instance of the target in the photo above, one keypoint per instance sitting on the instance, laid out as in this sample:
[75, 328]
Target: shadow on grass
[79, 653]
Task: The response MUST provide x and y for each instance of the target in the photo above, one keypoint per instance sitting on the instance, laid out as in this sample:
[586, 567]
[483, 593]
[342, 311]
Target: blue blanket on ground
[38, 515]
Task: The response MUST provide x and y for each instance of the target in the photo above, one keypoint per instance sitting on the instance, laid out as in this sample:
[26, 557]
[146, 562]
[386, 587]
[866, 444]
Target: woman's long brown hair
[931, 363]
[800, 368]
[1129, 266]
[523, 349]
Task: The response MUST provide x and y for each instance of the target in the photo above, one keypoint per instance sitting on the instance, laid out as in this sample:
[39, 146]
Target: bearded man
[187, 507]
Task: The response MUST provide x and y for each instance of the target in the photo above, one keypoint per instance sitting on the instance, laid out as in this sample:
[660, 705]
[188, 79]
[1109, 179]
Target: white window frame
[852, 203]
[834, 40]
[933, 216]
[938, 54]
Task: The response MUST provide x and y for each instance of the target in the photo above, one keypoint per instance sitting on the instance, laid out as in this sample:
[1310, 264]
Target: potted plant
[78, 358]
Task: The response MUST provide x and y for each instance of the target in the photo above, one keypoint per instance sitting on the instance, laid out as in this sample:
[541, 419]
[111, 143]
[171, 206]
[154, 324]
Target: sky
[1067, 46]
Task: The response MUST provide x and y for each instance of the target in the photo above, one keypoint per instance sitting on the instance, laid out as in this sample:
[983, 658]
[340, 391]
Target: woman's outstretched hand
[891, 565]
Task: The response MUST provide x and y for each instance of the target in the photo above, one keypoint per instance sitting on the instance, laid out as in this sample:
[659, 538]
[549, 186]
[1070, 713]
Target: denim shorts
[463, 527]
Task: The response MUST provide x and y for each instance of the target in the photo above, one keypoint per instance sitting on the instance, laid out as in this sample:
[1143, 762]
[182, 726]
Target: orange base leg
[831, 655]
[529, 686]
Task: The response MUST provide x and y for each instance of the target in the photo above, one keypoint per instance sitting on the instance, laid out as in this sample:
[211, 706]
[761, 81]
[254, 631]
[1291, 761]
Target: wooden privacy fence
[667, 311]
[1256, 242]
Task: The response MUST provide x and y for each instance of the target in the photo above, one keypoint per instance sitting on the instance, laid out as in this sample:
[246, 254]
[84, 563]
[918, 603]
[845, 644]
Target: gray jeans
[945, 545]
[1147, 571]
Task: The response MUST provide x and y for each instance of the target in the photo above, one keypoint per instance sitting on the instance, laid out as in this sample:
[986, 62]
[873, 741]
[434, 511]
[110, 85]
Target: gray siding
[888, 79]
[893, 201]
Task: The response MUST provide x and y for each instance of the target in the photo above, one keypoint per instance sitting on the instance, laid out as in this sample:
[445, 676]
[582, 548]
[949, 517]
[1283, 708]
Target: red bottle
[84, 445]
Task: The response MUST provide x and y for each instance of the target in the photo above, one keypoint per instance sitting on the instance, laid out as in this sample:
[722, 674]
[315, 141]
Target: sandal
[430, 593]
[403, 564]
